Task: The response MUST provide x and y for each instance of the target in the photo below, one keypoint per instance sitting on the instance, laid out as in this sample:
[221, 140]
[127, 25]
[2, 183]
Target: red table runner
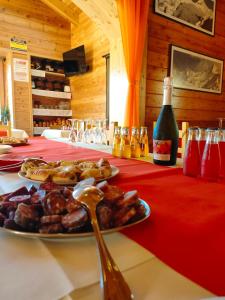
[186, 229]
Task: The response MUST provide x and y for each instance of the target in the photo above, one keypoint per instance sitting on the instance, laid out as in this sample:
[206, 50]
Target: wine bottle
[165, 134]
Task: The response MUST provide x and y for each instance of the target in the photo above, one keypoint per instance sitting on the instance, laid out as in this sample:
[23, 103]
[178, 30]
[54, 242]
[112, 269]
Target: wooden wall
[89, 89]
[46, 33]
[199, 108]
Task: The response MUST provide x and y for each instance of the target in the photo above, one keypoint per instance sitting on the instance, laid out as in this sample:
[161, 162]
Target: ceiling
[102, 12]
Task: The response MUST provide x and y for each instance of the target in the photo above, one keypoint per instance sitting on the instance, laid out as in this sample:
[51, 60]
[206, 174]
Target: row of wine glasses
[205, 153]
[88, 131]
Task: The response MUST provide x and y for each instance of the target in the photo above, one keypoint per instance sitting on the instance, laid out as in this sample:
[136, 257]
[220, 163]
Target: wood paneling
[89, 89]
[198, 108]
[47, 33]
[103, 13]
[65, 8]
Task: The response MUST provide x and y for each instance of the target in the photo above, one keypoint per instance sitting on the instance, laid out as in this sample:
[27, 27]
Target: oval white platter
[64, 236]
[114, 169]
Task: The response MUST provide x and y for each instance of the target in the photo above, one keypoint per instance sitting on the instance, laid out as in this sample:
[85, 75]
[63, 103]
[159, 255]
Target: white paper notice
[20, 70]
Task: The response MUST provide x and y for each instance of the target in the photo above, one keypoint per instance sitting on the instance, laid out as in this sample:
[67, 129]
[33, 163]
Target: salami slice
[51, 219]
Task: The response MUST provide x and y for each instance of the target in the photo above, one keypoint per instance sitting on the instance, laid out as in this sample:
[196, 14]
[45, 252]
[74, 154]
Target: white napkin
[79, 257]
[29, 271]
[11, 181]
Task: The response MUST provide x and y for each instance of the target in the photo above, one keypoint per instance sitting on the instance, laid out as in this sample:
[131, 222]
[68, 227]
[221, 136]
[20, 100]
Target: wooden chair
[183, 136]
[5, 128]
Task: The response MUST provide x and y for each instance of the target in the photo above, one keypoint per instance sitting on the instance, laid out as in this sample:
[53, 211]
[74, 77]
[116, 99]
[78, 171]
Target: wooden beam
[62, 8]
[103, 13]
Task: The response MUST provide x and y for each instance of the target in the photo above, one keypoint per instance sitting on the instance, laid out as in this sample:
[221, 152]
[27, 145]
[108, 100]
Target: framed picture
[195, 71]
[199, 14]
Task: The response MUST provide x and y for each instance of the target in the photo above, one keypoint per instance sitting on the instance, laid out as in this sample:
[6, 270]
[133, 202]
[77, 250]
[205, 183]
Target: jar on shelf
[49, 85]
[57, 86]
[40, 84]
[48, 66]
[66, 88]
[38, 65]
[63, 105]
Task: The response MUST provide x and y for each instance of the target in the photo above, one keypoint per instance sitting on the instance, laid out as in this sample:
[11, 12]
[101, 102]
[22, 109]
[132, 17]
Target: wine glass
[104, 138]
[80, 133]
[97, 137]
[87, 132]
[221, 122]
[73, 131]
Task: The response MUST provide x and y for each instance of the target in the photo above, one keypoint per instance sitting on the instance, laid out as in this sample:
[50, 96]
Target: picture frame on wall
[198, 14]
[194, 71]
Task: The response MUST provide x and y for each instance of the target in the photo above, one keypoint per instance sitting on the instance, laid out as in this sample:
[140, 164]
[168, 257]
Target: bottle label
[162, 149]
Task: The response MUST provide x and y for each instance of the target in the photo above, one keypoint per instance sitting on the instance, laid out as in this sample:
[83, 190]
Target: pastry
[65, 175]
[87, 165]
[96, 173]
[39, 174]
[105, 171]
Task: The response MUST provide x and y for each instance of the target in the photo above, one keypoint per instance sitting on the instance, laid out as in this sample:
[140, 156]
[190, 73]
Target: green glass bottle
[166, 134]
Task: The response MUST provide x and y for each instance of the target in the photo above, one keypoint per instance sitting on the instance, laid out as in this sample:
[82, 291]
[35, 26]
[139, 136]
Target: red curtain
[133, 17]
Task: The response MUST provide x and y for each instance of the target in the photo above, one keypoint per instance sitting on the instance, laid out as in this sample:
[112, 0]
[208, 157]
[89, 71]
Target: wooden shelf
[53, 94]
[52, 112]
[43, 73]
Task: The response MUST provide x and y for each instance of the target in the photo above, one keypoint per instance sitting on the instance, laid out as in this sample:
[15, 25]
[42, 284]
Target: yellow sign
[18, 44]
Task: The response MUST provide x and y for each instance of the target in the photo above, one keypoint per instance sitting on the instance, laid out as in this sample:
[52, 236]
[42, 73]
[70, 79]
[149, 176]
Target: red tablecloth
[186, 229]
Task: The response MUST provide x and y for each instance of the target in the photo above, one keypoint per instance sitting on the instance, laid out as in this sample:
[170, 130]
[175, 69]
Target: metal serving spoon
[112, 282]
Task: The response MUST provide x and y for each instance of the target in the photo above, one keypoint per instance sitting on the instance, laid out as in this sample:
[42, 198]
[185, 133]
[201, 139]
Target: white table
[19, 133]
[75, 270]
[55, 133]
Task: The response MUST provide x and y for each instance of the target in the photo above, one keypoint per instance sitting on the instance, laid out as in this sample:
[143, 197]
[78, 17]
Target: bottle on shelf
[166, 134]
[125, 149]
[134, 143]
[144, 141]
[116, 142]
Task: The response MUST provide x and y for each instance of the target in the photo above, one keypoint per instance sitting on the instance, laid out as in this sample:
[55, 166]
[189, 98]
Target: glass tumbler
[222, 151]
[192, 162]
[210, 166]
[202, 141]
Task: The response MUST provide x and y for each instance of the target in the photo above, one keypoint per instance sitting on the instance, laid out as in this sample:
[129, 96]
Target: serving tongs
[10, 165]
[112, 282]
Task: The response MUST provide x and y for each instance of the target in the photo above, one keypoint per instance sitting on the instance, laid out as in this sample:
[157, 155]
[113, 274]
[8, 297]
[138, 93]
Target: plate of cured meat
[51, 212]
[66, 172]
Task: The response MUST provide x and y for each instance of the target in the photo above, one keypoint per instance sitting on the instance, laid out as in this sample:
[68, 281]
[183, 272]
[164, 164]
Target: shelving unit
[51, 104]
